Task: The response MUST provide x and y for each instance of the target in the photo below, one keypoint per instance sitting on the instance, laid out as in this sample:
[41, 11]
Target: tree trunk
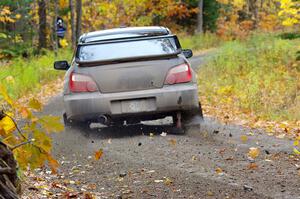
[78, 21]
[200, 17]
[42, 24]
[73, 33]
[9, 181]
[54, 35]
[253, 9]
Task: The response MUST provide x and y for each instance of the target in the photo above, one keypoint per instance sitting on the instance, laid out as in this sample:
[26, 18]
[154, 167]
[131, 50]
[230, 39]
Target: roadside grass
[201, 41]
[258, 76]
[26, 76]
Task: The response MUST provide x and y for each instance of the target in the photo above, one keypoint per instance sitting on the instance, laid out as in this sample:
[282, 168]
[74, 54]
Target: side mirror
[61, 65]
[187, 53]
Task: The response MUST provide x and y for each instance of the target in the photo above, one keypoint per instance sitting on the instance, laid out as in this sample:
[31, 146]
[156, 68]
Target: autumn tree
[42, 13]
[78, 18]
[200, 17]
[72, 22]
[290, 13]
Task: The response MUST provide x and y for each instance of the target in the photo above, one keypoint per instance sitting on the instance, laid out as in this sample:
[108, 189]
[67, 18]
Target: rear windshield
[128, 49]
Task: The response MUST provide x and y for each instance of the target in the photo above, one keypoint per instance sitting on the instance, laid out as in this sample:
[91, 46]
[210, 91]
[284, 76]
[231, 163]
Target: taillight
[82, 83]
[179, 74]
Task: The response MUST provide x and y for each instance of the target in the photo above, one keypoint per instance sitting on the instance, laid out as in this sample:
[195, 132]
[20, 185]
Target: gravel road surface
[145, 161]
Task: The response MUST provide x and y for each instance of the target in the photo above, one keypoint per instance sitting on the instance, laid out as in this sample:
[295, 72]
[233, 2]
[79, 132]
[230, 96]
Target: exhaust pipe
[103, 119]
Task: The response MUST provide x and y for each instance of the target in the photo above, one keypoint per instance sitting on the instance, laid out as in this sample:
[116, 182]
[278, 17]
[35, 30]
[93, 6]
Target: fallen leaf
[219, 170]
[209, 193]
[250, 133]
[168, 181]
[173, 142]
[92, 186]
[252, 166]
[244, 138]
[281, 136]
[296, 151]
[98, 154]
[296, 143]
[88, 195]
[253, 152]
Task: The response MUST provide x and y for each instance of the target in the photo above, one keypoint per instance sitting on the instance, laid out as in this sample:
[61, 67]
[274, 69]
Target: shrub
[258, 75]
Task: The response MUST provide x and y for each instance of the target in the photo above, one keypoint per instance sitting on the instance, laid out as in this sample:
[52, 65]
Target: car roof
[123, 33]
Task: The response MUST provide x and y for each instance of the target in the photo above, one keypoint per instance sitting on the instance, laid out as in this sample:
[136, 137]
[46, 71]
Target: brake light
[82, 83]
[179, 74]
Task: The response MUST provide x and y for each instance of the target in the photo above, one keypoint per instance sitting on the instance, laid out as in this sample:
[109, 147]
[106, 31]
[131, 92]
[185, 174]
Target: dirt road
[145, 161]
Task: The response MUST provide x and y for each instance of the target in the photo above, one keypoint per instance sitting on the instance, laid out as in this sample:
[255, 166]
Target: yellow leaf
[168, 181]
[296, 142]
[173, 142]
[244, 138]
[63, 43]
[253, 152]
[42, 140]
[5, 95]
[296, 151]
[51, 124]
[252, 166]
[52, 163]
[98, 154]
[219, 170]
[7, 124]
[35, 104]
[18, 16]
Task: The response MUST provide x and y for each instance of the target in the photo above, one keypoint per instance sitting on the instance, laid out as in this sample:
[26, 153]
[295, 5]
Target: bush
[201, 41]
[22, 76]
[257, 76]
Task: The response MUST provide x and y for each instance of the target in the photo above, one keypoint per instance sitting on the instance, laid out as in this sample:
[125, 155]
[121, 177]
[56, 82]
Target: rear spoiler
[128, 59]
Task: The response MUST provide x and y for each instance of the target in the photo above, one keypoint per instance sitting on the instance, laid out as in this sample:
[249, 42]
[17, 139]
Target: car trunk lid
[131, 76]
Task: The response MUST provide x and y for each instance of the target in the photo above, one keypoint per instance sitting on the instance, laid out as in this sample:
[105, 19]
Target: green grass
[200, 41]
[259, 75]
[30, 74]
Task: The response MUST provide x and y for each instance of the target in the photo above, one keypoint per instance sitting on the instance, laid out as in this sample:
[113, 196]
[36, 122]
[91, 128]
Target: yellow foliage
[63, 43]
[289, 12]
[63, 3]
[98, 154]
[7, 125]
[253, 152]
[36, 151]
[35, 104]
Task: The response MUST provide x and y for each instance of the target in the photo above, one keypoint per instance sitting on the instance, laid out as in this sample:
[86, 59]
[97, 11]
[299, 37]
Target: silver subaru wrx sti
[130, 74]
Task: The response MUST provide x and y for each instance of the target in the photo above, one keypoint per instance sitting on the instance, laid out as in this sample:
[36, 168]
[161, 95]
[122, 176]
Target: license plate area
[133, 105]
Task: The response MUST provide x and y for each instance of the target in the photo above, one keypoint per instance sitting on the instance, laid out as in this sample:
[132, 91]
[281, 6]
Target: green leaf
[35, 104]
[51, 124]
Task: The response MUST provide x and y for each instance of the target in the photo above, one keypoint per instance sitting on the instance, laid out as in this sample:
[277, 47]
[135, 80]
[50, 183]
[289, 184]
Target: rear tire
[192, 120]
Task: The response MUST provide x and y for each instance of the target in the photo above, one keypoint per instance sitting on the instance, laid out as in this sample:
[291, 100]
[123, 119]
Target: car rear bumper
[84, 106]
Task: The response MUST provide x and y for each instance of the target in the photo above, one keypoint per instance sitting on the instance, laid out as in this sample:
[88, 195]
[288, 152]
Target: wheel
[192, 120]
[75, 124]
[200, 111]
[177, 131]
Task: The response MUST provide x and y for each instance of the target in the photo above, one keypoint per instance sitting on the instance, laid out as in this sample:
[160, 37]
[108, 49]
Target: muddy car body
[129, 74]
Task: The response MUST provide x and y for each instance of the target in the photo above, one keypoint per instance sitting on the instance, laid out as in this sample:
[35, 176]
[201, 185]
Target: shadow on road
[123, 131]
